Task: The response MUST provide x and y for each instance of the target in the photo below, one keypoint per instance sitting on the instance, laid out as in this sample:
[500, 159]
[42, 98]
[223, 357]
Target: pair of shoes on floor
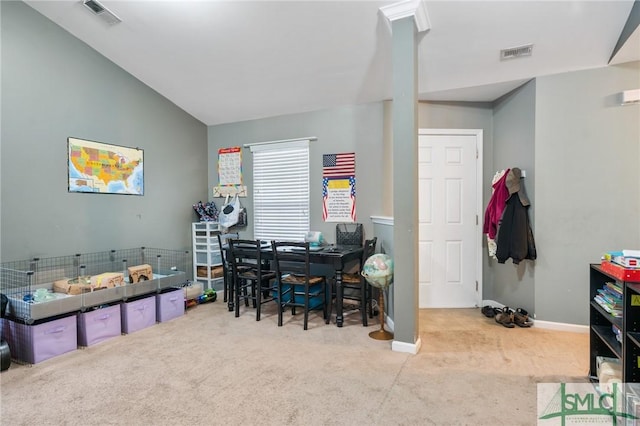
[489, 311]
[504, 316]
[521, 318]
[510, 318]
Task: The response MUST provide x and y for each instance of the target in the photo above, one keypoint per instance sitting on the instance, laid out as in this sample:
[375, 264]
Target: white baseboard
[561, 326]
[547, 325]
[412, 348]
[396, 346]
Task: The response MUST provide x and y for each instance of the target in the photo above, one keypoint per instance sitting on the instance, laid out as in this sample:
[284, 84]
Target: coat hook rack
[224, 191]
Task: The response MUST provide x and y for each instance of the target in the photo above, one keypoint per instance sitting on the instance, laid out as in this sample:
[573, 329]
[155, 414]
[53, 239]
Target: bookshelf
[603, 340]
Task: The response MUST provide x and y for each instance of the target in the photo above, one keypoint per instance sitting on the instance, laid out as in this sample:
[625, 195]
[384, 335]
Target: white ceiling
[227, 61]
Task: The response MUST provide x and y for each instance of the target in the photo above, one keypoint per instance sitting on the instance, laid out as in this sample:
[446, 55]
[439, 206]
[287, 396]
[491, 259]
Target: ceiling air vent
[98, 9]
[516, 52]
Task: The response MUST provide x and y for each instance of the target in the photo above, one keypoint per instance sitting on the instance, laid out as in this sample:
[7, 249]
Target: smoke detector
[99, 10]
[516, 52]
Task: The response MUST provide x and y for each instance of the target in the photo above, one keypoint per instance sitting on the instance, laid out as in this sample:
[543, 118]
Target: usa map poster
[339, 187]
[101, 168]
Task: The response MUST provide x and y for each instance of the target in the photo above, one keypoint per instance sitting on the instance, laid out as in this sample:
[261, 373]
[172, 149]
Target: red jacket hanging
[496, 206]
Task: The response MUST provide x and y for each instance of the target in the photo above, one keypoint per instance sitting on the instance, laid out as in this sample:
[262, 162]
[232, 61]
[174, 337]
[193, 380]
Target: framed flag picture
[339, 187]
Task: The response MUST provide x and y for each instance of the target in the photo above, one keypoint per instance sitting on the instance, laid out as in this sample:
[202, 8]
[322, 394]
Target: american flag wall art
[339, 187]
[339, 165]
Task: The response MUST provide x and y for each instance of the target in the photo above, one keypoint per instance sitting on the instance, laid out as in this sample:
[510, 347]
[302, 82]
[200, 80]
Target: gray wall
[53, 87]
[348, 129]
[513, 146]
[587, 180]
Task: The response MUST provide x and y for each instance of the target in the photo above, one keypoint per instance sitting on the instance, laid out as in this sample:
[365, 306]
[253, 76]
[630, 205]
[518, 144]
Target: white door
[450, 193]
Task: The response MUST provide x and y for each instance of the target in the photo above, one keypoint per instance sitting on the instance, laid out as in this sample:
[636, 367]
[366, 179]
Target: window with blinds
[281, 190]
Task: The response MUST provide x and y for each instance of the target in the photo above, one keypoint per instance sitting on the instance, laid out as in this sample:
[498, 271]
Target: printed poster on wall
[339, 187]
[230, 173]
[230, 166]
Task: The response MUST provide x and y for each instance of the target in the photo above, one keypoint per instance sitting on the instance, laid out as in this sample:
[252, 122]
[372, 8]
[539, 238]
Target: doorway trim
[479, 134]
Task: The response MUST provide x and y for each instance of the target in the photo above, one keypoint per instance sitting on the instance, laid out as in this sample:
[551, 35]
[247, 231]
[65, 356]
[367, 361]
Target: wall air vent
[516, 52]
[99, 10]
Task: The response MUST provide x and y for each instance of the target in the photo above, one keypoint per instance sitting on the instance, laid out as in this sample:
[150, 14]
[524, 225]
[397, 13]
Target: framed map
[101, 168]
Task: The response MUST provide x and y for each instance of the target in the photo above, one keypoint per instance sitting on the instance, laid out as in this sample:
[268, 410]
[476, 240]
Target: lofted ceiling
[228, 61]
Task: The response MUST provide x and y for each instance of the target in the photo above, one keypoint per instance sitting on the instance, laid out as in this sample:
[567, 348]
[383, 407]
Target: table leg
[339, 313]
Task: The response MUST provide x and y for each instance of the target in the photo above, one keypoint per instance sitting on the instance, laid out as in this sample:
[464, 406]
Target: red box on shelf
[620, 272]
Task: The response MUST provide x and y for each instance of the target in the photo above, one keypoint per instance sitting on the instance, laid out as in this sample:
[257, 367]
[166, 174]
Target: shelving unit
[602, 338]
[206, 255]
[631, 345]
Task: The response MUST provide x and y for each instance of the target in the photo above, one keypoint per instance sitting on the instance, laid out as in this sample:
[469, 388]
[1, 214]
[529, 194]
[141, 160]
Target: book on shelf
[611, 299]
[616, 312]
[626, 258]
[614, 288]
[616, 330]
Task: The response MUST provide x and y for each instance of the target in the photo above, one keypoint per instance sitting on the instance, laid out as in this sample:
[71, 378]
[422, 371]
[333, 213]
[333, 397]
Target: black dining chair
[250, 278]
[226, 267]
[296, 287]
[356, 288]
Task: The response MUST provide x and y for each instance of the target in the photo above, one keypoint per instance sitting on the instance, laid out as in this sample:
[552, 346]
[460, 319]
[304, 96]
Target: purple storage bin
[99, 325]
[170, 305]
[138, 314]
[35, 343]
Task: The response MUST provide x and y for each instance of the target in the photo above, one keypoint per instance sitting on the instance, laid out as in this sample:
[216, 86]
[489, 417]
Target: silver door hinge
[476, 285]
[477, 220]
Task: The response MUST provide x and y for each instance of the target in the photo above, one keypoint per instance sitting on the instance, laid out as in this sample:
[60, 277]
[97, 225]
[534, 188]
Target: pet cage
[39, 323]
[28, 284]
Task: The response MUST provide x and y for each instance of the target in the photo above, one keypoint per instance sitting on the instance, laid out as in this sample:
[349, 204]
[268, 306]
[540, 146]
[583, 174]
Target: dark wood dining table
[332, 255]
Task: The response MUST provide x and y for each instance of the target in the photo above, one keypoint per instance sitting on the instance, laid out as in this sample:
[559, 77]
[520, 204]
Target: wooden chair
[355, 287]
[296, 286]
[226, 267]
[249, 276]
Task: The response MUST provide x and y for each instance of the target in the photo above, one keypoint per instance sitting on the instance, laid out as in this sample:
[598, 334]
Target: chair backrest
[244, 254]
[349, 234]
[223, 250]
[291, 258]
[369, 249]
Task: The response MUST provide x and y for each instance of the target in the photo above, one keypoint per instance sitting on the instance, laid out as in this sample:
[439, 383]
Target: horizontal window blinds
[281, 191]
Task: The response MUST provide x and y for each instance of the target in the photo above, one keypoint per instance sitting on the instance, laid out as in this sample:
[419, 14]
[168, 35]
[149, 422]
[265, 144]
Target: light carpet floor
[210, 368]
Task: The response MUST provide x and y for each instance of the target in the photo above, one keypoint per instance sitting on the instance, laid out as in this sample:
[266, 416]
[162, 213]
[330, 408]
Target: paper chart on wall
[229, 166]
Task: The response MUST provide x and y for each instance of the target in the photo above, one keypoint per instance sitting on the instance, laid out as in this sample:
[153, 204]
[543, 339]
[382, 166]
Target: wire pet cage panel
[28, 284]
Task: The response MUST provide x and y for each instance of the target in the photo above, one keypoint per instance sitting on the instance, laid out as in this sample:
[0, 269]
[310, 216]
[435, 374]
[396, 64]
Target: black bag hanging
[349, 234]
